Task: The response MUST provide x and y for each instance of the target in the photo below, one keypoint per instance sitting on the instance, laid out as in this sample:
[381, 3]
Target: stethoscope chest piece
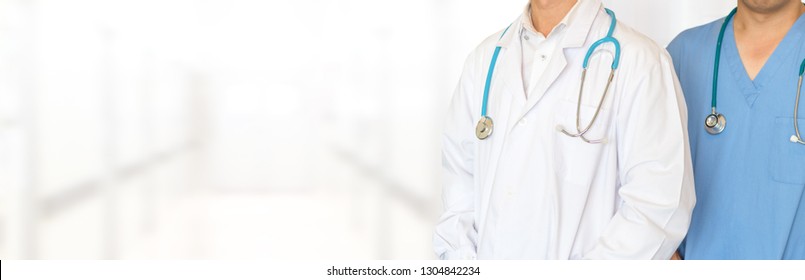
[484, 128]
[715, 123]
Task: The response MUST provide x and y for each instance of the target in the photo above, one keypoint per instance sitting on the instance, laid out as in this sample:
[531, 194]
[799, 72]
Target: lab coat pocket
[788, 158]
[576, 160]
[569, 113]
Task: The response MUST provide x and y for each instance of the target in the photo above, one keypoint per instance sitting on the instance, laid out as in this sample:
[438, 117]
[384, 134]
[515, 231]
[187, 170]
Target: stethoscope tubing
[714, 96]
[489, 73]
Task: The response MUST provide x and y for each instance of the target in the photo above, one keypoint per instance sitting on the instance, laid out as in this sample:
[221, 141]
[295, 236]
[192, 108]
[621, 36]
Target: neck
[760, 27]
[765, 21]
[546, 14]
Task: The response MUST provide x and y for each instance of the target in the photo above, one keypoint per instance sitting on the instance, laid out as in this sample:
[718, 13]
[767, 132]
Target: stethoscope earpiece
[715, 123]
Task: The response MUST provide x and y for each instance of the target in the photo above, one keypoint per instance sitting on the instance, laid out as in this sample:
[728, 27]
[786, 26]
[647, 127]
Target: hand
[676, 256]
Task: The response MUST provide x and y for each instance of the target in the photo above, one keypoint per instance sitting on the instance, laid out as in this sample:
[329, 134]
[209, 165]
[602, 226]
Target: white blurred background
[240, 128]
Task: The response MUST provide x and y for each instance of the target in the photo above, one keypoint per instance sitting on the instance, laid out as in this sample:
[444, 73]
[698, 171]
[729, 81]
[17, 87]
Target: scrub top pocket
[788, 158]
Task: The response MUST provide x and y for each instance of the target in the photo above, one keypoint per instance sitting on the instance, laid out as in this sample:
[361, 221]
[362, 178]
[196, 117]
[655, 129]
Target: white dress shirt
[538, 49]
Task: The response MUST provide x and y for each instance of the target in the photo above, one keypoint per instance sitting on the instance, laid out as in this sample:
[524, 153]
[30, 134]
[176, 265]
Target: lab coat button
[523, 122]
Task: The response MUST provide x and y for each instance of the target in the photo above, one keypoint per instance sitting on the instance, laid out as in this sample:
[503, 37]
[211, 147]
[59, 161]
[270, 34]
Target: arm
[456, 235]
[654, 168]
[677, 50]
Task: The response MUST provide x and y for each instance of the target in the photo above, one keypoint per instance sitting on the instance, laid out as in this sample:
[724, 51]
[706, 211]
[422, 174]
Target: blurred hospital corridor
[245, 129]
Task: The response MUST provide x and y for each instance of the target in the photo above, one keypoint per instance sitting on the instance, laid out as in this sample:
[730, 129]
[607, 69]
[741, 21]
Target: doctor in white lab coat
[530, 192]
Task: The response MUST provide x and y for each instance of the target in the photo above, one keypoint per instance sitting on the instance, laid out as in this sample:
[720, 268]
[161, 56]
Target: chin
[766, 6]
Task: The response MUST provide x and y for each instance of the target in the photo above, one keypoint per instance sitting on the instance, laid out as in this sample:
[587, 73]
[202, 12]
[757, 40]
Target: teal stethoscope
[485, 125]
[715, 121]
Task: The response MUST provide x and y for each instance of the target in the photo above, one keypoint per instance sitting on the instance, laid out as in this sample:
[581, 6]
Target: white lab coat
[530, 192]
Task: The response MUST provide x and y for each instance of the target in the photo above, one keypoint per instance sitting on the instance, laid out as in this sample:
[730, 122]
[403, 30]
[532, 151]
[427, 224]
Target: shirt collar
[578, 23]
[528, 24]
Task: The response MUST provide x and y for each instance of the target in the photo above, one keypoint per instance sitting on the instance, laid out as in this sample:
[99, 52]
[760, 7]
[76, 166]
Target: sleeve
[655, 168]
[455, 236]
[677, 51]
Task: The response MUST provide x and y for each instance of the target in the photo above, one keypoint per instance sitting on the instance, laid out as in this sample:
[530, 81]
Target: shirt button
[543, 57]
[526, 37]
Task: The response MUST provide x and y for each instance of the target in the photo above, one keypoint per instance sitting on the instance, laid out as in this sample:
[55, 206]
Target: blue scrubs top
[750, 178]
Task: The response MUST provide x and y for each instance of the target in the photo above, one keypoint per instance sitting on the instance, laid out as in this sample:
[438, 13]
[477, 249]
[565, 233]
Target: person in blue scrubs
[750, 178]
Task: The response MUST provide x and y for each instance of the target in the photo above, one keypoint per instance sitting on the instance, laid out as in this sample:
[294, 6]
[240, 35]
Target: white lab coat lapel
[576, 35]
[511, 65]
